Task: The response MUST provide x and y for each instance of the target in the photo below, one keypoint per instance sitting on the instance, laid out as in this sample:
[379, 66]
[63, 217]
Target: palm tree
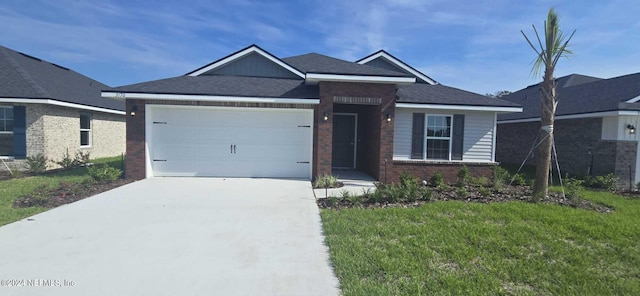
[548, 54]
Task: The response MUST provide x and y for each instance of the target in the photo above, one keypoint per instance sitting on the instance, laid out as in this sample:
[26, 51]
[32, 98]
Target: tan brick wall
[51, 130]
[109, 135]
[62, 133]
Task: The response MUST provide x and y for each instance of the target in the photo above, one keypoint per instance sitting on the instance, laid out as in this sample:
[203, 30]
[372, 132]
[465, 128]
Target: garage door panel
[231, 142]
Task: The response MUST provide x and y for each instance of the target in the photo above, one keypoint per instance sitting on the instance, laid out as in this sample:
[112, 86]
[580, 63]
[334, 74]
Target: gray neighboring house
[49, 109]
[595, 129]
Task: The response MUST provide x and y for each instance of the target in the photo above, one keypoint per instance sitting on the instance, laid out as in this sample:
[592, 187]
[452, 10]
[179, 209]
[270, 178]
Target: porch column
[323, 132]
[386, 109]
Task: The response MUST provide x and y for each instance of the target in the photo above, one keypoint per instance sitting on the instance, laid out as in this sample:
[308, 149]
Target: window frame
[427, 137]
[4, 119]
[89, 131]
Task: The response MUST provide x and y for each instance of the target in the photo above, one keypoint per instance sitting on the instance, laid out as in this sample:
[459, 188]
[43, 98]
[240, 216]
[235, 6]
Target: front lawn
[458, 248]
[11, 189]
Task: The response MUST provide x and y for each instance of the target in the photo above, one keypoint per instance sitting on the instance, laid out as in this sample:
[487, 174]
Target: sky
[472, 45]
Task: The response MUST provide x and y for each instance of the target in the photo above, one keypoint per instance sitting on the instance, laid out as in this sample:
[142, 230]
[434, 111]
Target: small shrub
[377, 196]
[462, 192]
[518, 180]
[351, 198]
[607, 182]
[463, 175]
[500, 177]
[37, 164]
[82, 158]
[406, 179]
[437, 180]
[333, 201]
[66, 161]
[638, 186]
[326, 181]
[484, 191]
[479, 181]
[410, 191]
[366, 195]
[424, 193]
[572, 187]
[104, 173]
[392, 193]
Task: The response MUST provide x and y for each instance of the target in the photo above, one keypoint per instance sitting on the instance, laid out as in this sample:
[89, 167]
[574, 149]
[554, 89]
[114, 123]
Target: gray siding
[384, 64]
[478, 133]
[253, 65]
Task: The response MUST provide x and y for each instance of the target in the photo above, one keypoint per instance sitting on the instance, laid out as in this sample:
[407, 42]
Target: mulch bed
[65, 193]
[505, 194]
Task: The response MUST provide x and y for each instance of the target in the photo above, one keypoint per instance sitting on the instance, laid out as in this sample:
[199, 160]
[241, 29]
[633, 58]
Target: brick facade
[425, 170]
[374, 156]
[54, 130]
[580, 148]
[378, 134]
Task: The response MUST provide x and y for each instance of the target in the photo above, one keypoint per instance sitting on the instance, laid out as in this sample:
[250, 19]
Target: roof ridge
[27, 77]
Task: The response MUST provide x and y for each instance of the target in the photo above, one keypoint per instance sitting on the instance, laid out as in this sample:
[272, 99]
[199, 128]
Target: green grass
[14, 188]
[456, 248]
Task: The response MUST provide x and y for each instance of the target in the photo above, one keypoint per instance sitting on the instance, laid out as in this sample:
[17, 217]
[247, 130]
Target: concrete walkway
[173, 236]
[355, 182]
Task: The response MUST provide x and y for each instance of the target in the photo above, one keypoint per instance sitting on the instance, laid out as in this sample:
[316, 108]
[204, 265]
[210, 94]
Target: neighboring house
[48, 109]
[252, 114]
[595, 128]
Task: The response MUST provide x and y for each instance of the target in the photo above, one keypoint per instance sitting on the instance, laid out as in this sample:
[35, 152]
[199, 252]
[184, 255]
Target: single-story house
[252, 114]
[48, 109]
[595, 128]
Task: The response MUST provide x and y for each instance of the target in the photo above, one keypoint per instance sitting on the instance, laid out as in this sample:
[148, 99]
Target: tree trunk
[547, 112]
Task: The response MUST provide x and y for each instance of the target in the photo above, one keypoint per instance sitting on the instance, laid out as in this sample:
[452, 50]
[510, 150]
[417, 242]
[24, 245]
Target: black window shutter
[19, 132]
[458, 136]
[417, 136]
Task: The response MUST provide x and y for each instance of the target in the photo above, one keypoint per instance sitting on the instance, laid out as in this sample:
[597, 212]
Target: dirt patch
[65, 193]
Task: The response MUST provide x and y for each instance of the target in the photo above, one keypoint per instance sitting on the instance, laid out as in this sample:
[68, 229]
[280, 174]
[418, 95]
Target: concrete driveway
[173, 236]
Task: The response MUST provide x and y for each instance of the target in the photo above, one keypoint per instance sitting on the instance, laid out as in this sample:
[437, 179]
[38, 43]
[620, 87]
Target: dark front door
[344, 141]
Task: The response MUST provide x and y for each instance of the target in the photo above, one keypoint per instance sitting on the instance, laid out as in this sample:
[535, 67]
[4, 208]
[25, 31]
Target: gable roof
[221, 86]
[322, 64]
[251, 49]
[26, 78]
[599, 95]
[386, 60]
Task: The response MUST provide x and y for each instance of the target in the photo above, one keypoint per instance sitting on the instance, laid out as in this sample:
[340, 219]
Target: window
[6, 119]
[6, 131]
[85, 130]
[438, 137]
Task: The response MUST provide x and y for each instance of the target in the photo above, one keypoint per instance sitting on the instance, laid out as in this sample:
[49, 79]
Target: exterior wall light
[388, 117]
[325, 116]
[631, 128]
[133, 111]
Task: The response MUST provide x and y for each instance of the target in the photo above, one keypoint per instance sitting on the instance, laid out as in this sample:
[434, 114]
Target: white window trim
[13, 120]
[426, 138]
[90, 130]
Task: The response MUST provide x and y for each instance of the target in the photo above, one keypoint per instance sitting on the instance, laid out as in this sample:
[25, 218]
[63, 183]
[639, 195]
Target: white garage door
[229, 142]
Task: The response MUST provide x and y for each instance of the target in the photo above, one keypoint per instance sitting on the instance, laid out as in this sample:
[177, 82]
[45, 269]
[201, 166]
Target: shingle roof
[317, 63]
[226, 86]
[424, 93]
[251, 86]
[26, 77]
[600, 95]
